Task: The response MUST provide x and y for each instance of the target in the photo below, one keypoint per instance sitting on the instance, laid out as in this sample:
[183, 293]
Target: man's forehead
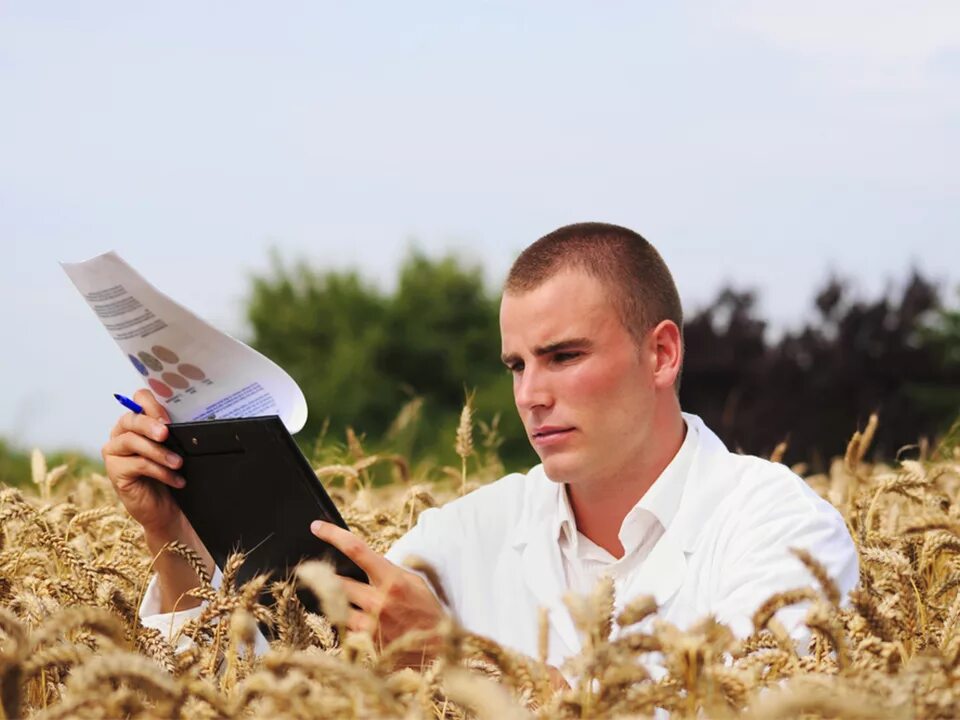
[553, 313]
[564, 292]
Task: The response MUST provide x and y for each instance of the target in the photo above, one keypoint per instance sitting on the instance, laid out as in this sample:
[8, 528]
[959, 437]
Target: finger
[557, 680]
[142, 425]
[120, 451]
[361, 594]
[360, 622]
[375, 566]
[126, 471]
[128, 422]
[151, 406]
[132, 443]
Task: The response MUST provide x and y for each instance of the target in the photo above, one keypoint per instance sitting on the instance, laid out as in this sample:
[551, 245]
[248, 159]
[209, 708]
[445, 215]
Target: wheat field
[73, 569]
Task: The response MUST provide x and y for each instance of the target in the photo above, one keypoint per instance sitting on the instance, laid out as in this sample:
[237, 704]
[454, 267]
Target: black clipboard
[250, 488]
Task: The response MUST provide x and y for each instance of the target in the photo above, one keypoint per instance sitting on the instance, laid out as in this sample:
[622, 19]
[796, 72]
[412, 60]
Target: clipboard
[249, 488]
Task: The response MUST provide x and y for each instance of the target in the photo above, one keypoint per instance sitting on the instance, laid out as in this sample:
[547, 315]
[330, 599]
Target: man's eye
[515, 368]
[565, 356]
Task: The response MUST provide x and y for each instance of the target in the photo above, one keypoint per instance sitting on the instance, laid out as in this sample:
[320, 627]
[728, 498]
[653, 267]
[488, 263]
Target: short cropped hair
[637, 278]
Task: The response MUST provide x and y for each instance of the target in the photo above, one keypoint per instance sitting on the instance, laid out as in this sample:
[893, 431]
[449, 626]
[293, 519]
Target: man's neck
[600, 507]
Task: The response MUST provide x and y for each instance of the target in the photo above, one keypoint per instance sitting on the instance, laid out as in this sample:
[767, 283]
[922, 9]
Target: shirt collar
[566, 523]
[661, 499]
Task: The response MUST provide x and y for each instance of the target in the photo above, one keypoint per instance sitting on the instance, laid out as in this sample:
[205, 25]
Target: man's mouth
[549, 431]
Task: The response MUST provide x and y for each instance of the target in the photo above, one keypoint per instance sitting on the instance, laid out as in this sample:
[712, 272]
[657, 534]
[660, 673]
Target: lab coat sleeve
[435, 540]
[780, 512]
[169, 624]
[462, 539]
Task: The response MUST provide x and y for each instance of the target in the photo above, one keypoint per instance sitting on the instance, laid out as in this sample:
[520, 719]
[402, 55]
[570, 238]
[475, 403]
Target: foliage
[359, 353]
[15, 463]
[815, 384]
[942, 337]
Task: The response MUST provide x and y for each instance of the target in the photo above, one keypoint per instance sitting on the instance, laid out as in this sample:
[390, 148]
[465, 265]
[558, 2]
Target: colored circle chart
[169, 383]
[141, 368]
[159, 388]
[165, 354]
[150, 361]
[192, 372]
[174, 380]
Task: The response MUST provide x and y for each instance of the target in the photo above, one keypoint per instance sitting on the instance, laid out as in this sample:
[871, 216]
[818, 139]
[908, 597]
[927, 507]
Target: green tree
[325, 329]
[361, 354]
[15, 468]
[942, 336]
[14, 465]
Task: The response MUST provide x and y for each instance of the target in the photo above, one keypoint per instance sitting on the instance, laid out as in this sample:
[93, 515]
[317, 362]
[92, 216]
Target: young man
[629, 485]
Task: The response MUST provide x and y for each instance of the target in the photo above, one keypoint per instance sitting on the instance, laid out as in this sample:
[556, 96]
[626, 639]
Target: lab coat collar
[708, 481]
[544, 575]
[662, 572]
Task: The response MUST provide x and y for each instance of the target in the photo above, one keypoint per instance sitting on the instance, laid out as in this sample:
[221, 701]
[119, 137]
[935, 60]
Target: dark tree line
[813, 387]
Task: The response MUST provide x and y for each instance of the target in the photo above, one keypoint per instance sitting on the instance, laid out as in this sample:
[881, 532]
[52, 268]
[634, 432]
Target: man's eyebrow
[581, 343]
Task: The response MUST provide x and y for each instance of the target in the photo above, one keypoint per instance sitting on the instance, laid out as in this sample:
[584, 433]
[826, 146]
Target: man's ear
[667, 342]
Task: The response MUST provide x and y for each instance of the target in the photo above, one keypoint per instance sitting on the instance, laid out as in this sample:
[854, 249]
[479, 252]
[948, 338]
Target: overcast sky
[760, 142]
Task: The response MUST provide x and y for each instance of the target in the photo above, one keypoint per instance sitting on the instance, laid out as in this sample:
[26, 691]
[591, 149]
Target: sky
[761, 143]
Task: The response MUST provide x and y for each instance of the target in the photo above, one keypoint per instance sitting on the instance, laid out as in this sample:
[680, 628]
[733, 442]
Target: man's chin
[560, 467]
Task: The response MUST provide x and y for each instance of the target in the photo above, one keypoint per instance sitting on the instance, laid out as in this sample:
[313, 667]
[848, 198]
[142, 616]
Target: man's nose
[532, 389]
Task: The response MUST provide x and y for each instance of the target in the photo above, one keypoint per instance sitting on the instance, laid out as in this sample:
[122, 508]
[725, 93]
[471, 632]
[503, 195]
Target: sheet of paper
[195, 370]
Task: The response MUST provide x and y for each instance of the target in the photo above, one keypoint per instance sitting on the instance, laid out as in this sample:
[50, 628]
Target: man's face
[583, 387]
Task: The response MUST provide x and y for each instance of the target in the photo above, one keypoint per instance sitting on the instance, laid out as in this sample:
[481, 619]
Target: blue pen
[128, 403]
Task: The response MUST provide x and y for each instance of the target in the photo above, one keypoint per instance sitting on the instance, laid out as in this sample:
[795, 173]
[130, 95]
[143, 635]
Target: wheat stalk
[73, 566]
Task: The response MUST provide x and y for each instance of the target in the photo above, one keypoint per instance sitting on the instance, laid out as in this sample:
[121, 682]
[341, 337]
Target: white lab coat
[725, 551]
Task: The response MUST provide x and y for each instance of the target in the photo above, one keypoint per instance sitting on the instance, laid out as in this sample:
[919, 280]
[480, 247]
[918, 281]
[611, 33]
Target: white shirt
[585, 562]
[726, 550]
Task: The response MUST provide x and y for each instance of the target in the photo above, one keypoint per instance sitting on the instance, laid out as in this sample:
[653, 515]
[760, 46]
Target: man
[629, 485]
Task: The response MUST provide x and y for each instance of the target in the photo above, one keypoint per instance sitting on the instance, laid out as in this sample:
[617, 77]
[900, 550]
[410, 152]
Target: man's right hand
[142, 471]
[140, 468]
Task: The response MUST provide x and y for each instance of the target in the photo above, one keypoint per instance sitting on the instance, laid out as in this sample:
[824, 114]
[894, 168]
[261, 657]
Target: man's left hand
[396, 600]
